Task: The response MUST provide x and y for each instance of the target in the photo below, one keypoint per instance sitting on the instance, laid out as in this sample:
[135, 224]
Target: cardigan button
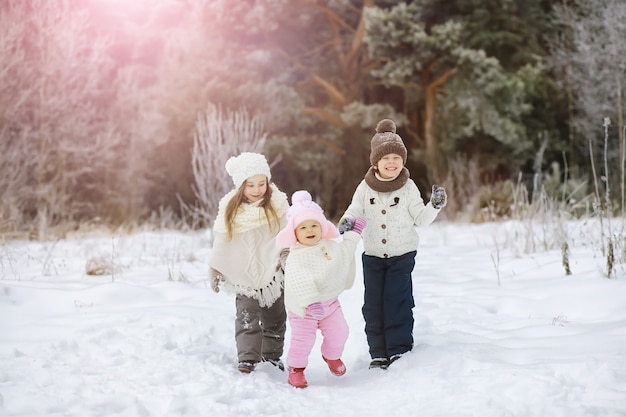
[384, 241]
[384, 226]
[385, 256]
[384, 211]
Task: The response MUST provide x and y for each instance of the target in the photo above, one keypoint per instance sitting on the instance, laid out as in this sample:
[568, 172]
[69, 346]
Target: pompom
[301, 197]
[386, 125]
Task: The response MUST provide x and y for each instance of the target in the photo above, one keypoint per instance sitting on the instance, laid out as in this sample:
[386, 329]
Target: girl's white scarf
[250, 216]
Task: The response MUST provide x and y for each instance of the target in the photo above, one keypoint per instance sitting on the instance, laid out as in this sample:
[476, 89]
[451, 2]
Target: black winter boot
[379, 363]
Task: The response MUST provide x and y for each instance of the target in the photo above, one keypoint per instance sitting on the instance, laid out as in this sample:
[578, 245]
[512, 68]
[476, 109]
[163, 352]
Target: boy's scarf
[386, 186]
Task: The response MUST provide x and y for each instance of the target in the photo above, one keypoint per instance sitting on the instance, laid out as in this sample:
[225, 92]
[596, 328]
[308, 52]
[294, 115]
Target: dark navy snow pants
[388, 304]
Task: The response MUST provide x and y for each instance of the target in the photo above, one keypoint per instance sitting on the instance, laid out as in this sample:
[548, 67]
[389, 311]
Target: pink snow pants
[334, 330]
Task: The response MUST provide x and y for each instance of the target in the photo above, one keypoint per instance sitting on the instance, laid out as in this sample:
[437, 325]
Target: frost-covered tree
[219, 136]
[52, 83]
[213, 54]
[590, 60]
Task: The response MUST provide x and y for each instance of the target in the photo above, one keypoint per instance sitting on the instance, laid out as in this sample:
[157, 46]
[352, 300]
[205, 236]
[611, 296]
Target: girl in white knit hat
[246, 260]
[317, 270]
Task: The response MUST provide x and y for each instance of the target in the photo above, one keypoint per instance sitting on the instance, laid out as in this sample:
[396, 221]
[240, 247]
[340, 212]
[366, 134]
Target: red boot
[336, 366]
[296, 377]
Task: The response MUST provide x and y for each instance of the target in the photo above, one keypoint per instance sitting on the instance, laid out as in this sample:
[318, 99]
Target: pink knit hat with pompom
[304, 208]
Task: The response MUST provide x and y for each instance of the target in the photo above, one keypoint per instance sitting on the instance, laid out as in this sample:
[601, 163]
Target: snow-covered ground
[497, 334]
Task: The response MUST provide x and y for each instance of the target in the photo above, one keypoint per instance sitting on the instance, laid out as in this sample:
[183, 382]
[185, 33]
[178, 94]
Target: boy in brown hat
[393, 206]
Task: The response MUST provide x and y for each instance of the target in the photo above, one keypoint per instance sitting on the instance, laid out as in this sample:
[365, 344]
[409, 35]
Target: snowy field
[497, 333]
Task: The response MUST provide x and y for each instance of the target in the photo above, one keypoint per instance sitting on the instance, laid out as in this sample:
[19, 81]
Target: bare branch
[220, 135]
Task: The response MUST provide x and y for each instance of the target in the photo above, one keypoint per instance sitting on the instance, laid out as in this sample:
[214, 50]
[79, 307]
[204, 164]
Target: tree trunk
[433, 153]
[430, 139]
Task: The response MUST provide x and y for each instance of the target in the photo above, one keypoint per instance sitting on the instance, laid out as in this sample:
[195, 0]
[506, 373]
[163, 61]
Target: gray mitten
[438, 198]
[216, 278]
[283, 259]
[345, 225]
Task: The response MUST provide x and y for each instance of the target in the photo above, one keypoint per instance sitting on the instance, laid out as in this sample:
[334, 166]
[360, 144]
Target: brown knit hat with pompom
[386, 141]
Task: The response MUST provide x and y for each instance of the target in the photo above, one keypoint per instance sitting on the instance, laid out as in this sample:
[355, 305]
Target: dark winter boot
[277, 363]
[379, 363]
[245, 367]
[393, 358]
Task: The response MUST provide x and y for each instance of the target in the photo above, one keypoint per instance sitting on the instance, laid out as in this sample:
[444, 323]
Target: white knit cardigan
[319, 272]
[391, 218]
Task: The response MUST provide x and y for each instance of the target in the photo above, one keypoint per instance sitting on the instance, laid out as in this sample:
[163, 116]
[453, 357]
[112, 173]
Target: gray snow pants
[259, 331]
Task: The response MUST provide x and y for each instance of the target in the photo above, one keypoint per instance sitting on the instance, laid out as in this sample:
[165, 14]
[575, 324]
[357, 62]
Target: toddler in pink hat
[317, 270]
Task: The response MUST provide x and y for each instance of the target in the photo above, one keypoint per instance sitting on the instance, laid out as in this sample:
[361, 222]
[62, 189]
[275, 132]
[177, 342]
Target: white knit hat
[247, 165]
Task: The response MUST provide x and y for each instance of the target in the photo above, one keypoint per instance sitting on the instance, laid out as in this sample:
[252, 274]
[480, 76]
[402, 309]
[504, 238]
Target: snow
[497, 333]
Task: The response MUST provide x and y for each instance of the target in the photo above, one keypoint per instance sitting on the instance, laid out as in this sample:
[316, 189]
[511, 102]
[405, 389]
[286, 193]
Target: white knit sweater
[391, 218]
[319, 272]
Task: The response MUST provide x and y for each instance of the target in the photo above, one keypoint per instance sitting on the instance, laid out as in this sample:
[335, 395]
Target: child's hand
[356, 225]
[216, 278]
[345, 225]
[438, 198]
[316, 310]
[283, 259]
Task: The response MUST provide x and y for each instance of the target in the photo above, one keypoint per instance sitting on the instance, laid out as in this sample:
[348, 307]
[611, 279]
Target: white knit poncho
[248, 261]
